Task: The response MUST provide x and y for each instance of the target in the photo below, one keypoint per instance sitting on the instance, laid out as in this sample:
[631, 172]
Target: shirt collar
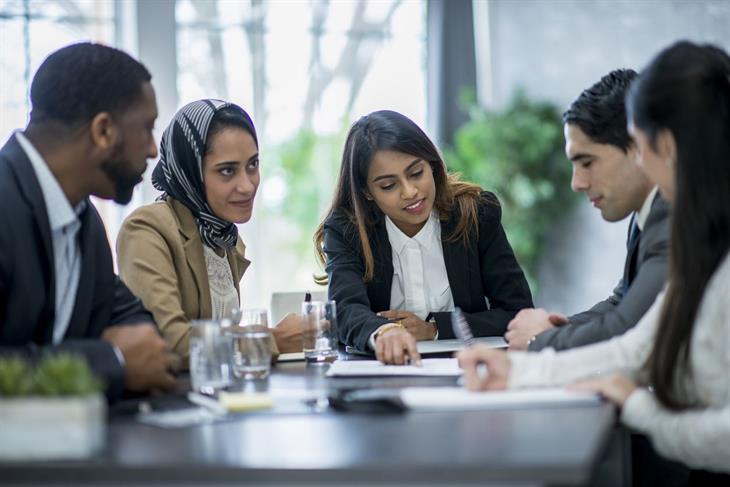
[643, 214]
[425, 237]
[60, 213]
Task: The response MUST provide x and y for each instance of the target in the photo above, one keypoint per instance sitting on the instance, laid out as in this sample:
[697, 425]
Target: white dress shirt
[65, 225]
[697, 437]
[420, 281]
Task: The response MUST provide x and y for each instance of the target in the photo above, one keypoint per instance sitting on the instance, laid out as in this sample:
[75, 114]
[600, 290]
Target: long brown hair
[388, 130]
[686, 90]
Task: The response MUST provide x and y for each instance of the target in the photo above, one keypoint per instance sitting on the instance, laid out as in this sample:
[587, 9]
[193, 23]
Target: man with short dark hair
[90, 133]
[604, 168]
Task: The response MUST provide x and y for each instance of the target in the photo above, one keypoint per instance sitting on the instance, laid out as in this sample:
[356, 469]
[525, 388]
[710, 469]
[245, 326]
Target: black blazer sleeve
[345, 269]
[501, 280]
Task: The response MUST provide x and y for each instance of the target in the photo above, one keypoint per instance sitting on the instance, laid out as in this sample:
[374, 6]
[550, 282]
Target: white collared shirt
[65, 225]
[420, 282]
[643, 214]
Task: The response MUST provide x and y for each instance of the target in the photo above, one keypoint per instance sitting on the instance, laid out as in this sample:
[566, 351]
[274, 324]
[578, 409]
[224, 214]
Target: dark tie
[632, 249]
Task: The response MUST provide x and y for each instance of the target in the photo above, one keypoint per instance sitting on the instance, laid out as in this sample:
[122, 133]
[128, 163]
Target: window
[304, 71]
[29, 31]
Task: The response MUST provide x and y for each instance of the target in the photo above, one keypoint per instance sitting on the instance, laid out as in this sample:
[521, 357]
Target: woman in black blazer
[451, 249]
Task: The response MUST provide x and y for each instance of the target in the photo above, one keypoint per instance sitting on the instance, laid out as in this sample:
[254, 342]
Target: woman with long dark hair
[676, 361]
[182, 255]
[404, 244]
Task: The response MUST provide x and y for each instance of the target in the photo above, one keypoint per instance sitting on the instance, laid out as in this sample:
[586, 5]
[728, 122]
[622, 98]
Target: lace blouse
[223, 295]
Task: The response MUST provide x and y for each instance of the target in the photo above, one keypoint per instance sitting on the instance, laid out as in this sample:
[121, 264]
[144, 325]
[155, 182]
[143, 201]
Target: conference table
[302, 440]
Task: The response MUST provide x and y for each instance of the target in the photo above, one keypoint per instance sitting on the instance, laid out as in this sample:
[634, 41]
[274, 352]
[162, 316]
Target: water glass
[319, 338]
[210, 356]
[252, 343]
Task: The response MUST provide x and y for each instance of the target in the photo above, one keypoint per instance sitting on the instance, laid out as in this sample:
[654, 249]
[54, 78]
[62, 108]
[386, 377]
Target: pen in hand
[461, 327]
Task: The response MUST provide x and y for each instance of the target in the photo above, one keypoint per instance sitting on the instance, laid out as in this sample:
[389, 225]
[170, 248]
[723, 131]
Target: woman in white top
[404, 243]
[182, 255]
[671, 373]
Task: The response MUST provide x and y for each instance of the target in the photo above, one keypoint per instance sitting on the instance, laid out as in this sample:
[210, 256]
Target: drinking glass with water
[319, 338]
[210, 356]
[252, 343]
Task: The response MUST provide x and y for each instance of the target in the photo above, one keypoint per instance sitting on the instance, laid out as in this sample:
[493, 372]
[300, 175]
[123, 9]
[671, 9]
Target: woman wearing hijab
[182, 255]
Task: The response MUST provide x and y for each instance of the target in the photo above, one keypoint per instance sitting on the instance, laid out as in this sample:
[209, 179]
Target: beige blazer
[160, 257]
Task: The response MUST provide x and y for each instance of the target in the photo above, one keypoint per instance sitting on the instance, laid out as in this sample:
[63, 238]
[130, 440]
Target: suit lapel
[238, 264]
[457, 267]
[193, 248]
[31, 190]
[383, 271]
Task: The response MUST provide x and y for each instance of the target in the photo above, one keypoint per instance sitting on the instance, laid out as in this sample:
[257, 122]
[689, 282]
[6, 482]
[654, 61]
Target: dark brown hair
[686, 90]
[388, 130]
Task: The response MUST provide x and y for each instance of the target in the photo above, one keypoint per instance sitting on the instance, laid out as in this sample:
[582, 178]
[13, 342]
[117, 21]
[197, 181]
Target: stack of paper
[430, 367]
[459, 399]
[454, 344]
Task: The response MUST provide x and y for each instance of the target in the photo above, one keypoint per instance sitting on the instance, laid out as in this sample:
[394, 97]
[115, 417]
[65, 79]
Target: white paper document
[454, 344]
[459, 399]
[430, 367]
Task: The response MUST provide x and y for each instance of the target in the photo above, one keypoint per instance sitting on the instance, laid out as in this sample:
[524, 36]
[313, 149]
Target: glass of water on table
[319, 338]
[210, 356]
[252, 343]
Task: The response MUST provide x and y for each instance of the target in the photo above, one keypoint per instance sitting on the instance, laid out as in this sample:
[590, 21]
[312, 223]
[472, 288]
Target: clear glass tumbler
[252, 343]
[319, 338]
[210, 356]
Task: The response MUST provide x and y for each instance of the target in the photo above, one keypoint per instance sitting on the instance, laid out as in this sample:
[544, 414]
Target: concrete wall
[555, 49]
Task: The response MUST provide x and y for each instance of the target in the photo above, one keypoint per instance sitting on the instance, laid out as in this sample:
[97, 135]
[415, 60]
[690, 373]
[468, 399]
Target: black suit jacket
[27, 281]
[615, 315]
[487, 269]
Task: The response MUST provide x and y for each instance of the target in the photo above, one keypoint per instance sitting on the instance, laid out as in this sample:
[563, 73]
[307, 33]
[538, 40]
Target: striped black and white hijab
[179, 172]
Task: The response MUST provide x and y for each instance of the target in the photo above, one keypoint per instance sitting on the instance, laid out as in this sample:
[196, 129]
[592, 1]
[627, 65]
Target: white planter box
[52, 428]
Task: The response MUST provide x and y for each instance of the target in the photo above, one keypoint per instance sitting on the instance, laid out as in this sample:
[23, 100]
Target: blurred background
[487, 79]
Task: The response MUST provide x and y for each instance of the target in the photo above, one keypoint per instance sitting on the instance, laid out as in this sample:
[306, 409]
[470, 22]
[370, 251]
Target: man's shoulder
[9, 177]
[657, 223]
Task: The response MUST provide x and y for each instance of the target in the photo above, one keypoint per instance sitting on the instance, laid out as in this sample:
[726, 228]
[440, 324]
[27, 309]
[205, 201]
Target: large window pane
[305, 71]
[29, 31]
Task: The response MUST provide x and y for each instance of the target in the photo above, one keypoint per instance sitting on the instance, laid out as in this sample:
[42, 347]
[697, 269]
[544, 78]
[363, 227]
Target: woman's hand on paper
[616, 387]
[396, 346]
[474, 360]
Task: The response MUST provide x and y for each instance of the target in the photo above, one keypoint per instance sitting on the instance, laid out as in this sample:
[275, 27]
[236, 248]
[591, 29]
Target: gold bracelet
[389, 326]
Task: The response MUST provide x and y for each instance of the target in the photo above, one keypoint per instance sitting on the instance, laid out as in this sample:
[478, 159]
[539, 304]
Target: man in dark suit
[90, 133]
[604, 168]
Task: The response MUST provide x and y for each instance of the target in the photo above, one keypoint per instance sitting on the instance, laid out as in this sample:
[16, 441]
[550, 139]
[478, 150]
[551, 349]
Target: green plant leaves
[55, 375]
[517, 153]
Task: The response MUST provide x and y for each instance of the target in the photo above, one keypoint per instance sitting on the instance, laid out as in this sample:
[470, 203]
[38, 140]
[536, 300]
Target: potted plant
[52, 410]
[518, 153]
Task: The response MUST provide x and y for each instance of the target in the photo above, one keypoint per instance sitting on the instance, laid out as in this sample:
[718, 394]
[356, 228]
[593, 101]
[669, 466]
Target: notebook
[441, 367]
[460, 399]
[454, 344]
